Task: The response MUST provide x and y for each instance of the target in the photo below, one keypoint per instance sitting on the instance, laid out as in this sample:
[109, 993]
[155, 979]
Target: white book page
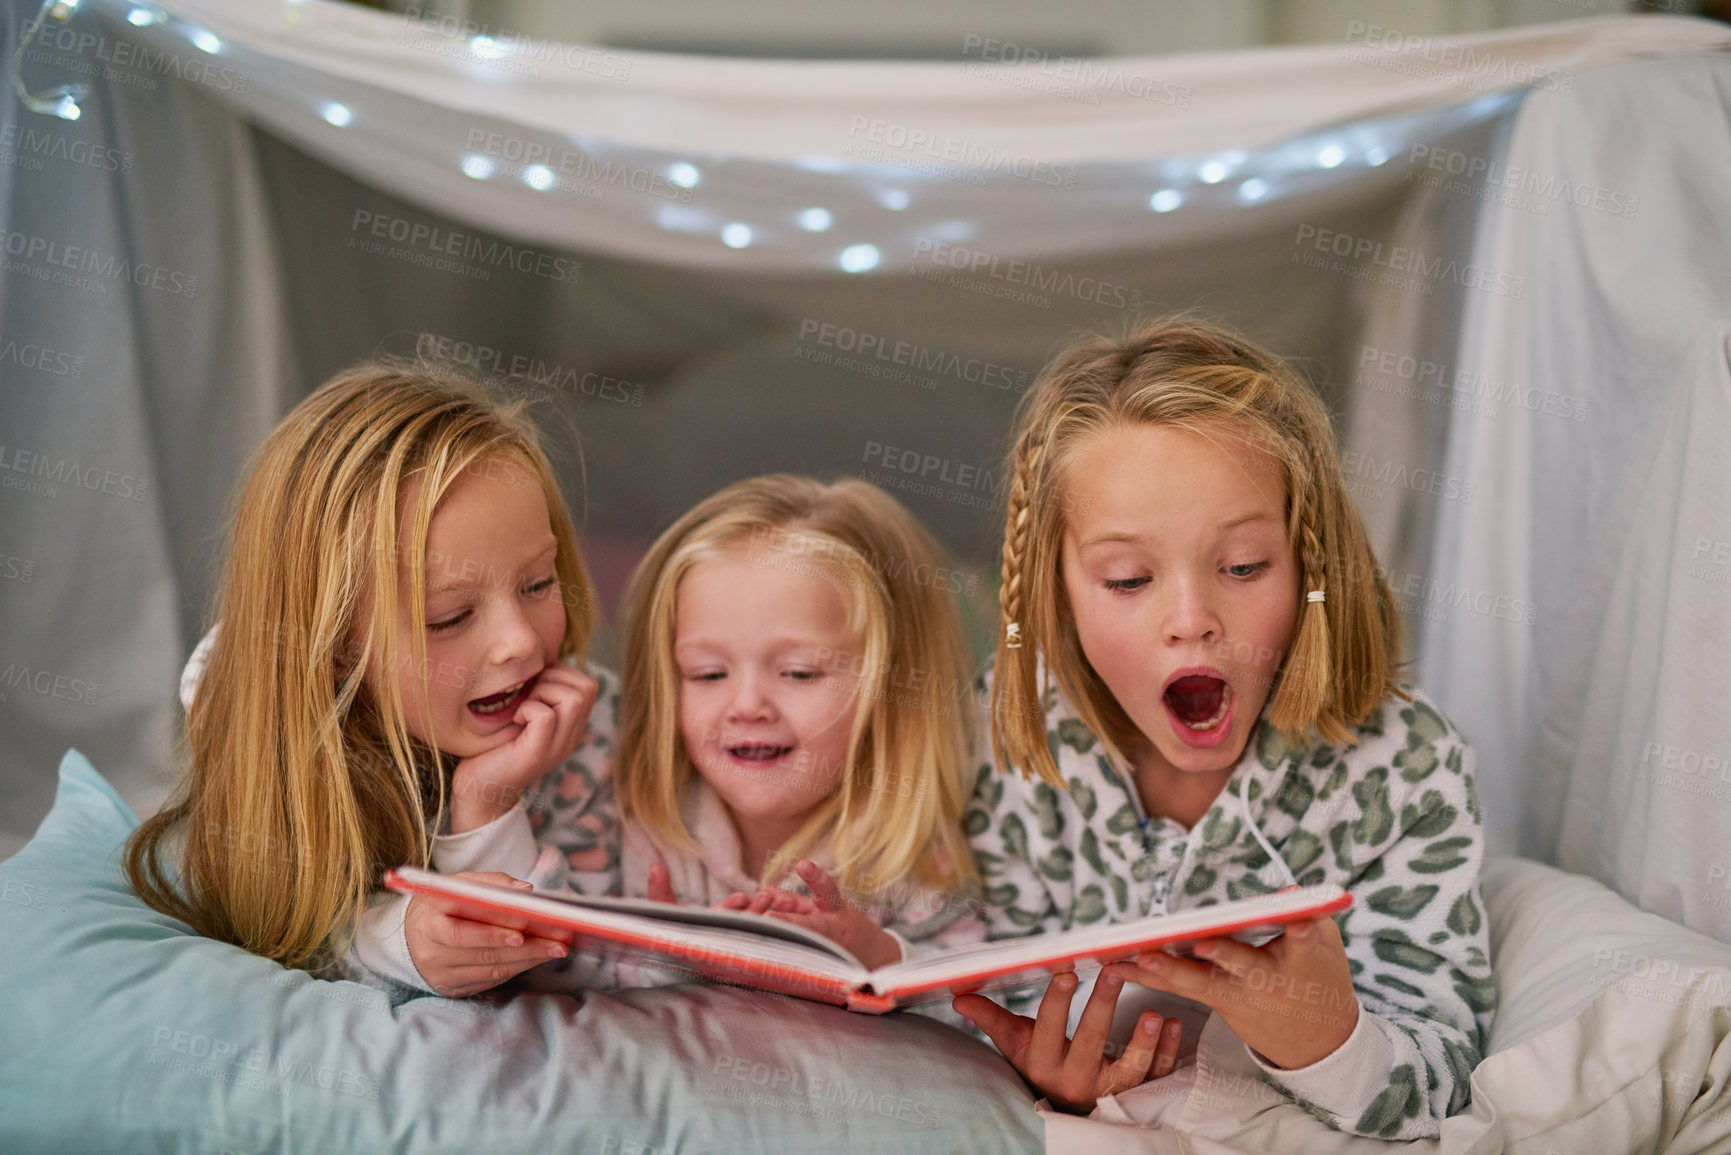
[1033, 951]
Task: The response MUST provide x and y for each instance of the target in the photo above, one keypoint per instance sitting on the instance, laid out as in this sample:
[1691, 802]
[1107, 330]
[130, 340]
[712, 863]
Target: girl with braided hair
[1196, 680]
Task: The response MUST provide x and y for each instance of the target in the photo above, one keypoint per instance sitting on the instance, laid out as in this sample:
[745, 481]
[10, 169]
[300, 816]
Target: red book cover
[773, 955]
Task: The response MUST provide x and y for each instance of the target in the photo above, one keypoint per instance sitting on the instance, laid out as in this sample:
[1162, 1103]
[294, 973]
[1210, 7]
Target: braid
[1028, 454]
[1307, 684]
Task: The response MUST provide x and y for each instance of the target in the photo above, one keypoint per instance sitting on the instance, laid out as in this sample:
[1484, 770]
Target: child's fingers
[1235, 958]
[823, 888]
[1159, 971]
[786, 900]
[473, 978]
[495, 878]
[1008, 1031]
[760, 902]
[465, 934]
[1050, 1038]
[1138, 1059]
[1166, 1055]
[570, 705]
[1095, 1025]
[738, 900]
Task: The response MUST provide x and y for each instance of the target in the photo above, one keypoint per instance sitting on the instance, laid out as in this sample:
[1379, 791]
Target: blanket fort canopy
[1504, 257]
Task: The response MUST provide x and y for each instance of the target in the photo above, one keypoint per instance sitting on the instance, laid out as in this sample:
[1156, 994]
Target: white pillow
[1612, 1035]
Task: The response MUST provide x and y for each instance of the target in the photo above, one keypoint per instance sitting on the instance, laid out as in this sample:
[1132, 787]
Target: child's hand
[1075, 1073]
[552, 719]
[458, 956]
[829, 914]
[1290, 1001]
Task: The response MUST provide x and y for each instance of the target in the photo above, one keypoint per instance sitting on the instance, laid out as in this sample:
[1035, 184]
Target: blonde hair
[303, 782]
[896, 812]
[1185, 374]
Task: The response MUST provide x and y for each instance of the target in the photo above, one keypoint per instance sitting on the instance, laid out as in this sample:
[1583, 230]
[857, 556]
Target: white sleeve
[379, 955]
[504, 844]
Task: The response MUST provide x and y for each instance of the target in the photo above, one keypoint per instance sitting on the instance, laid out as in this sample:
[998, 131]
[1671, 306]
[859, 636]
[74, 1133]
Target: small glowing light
[1376, 156]
[67, 109]
[736, 235]
[538, 177]
[144, 17]
[1165, 200]
[815, 220]
[486, 48]
[684, 219]
[859, 258]
[1331, 156]
[684, 175]
[1213, 172]
[207, 41]
[895, 200]
[478, 167]
[338, 114]
[1253, 189]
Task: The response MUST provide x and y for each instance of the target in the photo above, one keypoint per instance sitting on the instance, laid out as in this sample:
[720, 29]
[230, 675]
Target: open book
[758, 951]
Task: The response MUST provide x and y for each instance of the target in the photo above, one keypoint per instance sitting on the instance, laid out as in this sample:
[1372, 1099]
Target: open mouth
[1199, 701]
[758, 752]
[505, 701]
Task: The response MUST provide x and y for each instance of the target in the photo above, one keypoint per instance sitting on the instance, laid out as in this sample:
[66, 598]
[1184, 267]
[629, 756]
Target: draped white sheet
[175, 389]
[771, 138]
[1606, 725]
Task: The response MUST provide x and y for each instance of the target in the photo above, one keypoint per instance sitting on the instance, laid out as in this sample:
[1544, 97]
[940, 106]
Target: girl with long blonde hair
[794, 734]
[401, 610]
[1196, 679]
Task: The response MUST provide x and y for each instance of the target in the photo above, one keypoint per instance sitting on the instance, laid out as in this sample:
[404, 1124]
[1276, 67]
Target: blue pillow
[125, 1032]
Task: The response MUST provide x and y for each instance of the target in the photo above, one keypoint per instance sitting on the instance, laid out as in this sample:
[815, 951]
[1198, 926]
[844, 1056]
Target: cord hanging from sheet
[61, 101]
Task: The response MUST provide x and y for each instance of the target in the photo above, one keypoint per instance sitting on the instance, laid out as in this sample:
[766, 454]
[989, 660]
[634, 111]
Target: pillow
[1612, 1034]
[126, 1032]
